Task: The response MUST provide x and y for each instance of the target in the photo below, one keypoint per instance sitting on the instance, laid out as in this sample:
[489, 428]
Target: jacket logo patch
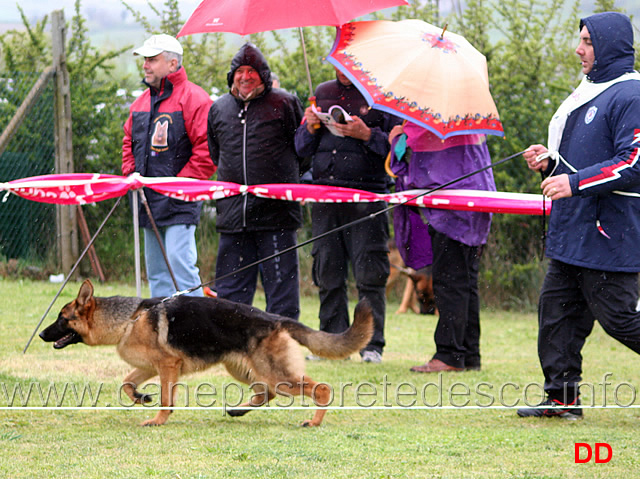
[590, 115]
[160, 137]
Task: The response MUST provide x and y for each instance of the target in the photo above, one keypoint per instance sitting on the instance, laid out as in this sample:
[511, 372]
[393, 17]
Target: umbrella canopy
[414, 70]
[251, 16]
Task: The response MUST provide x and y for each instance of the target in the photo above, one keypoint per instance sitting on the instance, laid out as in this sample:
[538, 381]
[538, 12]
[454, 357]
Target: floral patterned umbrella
[419, 72]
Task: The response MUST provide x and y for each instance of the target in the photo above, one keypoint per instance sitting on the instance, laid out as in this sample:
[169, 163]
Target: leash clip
[179, 293]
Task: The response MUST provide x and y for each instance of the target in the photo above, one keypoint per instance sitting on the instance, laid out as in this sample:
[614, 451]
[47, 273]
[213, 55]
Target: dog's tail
[336, 346]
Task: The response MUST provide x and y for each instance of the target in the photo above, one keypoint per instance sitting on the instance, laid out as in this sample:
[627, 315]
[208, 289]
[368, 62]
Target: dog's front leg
[408, 298]
[131, 382]
[169, 371]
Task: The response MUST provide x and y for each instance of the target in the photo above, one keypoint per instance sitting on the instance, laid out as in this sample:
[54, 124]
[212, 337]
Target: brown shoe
[434, 366]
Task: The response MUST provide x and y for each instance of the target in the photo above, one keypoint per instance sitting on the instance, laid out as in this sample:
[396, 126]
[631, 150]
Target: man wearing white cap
[166, 135]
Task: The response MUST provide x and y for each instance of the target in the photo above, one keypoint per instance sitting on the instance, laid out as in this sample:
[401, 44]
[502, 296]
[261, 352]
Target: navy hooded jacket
[599, 226]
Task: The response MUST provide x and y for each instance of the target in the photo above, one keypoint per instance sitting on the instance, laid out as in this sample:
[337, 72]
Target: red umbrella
[251, 16]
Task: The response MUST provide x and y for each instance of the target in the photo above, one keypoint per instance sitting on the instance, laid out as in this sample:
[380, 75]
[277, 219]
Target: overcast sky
[37, 8]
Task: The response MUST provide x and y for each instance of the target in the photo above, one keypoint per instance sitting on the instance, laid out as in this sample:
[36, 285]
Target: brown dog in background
[418, 290]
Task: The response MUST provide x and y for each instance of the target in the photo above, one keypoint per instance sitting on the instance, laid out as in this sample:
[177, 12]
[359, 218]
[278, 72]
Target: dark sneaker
[554, 408]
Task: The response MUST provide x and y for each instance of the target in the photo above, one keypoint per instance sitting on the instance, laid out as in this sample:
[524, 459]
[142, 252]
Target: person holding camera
[353, 157]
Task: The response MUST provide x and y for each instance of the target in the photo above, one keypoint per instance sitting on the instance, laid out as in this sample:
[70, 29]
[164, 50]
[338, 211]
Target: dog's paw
[237, 412]
[151, 422]
[159, 419]
[142, 398]
[309, 423]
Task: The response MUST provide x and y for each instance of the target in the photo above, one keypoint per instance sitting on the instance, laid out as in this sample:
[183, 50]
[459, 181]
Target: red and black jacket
[166, 135]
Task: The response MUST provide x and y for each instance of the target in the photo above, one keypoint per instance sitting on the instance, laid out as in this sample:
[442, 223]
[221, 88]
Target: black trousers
[572, 299]
[455, 289]
[279, 275]
[364, 246]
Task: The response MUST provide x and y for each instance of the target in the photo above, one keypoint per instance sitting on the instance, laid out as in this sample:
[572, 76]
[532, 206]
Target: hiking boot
[555, 409]
[371, 357]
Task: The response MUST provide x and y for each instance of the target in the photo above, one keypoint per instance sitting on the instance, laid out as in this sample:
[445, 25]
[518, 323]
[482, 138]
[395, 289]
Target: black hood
[250, 55]
[612, 39]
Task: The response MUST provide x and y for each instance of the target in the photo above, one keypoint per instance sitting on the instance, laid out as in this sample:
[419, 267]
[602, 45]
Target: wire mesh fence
[27, 229]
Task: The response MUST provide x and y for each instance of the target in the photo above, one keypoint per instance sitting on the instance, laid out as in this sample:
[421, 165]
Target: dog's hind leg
[169, 371]
[408, 298]
[131, 382]
[320, 393]
[262, 395]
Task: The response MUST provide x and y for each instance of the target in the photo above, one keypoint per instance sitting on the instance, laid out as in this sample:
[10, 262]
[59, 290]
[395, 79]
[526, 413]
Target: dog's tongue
[62, 342]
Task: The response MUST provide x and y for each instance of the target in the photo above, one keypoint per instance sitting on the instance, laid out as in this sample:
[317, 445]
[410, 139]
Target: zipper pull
[242, 114]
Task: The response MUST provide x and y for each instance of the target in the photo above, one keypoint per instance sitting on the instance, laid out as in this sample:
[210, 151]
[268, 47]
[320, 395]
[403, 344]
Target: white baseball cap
[158, 44]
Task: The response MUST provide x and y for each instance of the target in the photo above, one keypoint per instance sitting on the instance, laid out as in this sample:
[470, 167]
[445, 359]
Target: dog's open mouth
[70, 338]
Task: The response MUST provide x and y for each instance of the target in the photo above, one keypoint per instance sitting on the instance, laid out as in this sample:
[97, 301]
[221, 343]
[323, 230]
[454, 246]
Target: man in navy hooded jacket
[593, 177]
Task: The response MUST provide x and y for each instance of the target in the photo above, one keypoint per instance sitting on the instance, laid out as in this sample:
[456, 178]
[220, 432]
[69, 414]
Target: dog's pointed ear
[85, 294]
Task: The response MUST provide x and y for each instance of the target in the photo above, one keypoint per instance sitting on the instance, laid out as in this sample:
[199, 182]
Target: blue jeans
[179, 242]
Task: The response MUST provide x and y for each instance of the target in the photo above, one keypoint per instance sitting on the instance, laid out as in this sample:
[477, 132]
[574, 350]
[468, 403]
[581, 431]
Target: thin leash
[143, 199]
[71, 272]
[406, 271]
[256, 263]
[82, 255]
[543, 234]
[345, 226]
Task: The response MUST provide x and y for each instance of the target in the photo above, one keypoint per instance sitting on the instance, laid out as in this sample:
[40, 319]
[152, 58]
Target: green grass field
[465, 426]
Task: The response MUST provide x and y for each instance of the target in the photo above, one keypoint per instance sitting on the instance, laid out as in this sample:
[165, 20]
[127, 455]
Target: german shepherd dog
[186, 334]
[418, 288]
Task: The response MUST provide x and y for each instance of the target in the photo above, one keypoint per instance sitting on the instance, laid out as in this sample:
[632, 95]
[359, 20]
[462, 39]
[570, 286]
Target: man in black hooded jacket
[251, 132]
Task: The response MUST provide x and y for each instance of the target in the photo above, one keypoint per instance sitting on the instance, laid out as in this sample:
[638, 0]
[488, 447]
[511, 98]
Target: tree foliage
[529, 46]
[97, 111]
